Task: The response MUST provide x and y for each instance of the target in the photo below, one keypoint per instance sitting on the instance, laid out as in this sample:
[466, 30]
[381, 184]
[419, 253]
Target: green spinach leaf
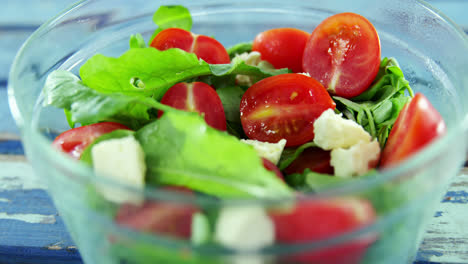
[239, 49]
[87, 106]
[150, 72]
[231, 97]
[174, 16]
[137, 41]
[179, 151]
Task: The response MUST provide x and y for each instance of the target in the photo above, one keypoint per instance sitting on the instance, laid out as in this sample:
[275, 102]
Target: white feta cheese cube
[269, 151]
[122, 160]
[333, 131]
[356, 160]
[244, 228]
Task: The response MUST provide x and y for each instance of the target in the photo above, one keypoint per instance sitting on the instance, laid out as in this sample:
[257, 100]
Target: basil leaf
[137, 41]
[86, 156]
[239, 49]
[179, 151]
[87, 106]
[174, 16]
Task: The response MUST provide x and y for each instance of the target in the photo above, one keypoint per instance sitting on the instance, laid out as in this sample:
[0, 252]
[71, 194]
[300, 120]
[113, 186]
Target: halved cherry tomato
[417, 125]
[206, 48]
[158, 217]
[75, 140]
[316, 220]
[197, 97]
[283, 106]
[314, 159]
[272, 167]
[282, 47]
[343, 53]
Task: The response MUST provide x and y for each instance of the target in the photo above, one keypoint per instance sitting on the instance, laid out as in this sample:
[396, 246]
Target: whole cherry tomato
[206, 48]
[343, 53]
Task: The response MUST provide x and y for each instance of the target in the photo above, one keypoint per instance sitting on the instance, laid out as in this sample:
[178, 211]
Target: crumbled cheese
[356, 160]
[244, 228]
[332, 131]
[269, 151]
[123, 160]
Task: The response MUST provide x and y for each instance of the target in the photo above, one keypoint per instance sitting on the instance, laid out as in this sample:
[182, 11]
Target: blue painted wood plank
[11, 147]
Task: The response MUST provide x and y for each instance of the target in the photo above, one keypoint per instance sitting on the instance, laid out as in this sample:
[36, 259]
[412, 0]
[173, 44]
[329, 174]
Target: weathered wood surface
[31, 230]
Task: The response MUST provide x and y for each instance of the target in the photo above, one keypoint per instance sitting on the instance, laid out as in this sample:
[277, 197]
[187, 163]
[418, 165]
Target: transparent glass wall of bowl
[433, 55]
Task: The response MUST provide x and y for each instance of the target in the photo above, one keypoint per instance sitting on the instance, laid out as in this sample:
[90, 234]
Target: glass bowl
[431, 50]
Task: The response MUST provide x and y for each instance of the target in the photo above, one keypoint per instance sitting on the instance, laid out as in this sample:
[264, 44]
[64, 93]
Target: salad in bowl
[292, 146]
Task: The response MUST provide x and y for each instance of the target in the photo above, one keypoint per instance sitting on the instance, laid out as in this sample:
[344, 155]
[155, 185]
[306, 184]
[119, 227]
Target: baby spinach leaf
[231, 97]
[180, 150]
[174, 16]
[137, 41]
[150, 72]
[143, 71]
[377, 108]
[86, 106]
[239, 49]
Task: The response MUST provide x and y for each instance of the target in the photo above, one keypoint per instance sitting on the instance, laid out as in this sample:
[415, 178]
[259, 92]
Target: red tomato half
[343, 53]
[171, 219]
[206, 48]
[314, 159]
[282, 47]
[75, 140]
[197, 97]
[316, 220]
[416, 126]
[283, 106]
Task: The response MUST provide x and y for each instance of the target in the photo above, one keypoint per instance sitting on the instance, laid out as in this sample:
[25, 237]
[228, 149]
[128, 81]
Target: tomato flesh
[314, 159]
[74, 141]
[315, 220]
[170, 219]
[206, 48]
[197, 97]
[282, 47]
[343, 53]
[417, 125]
[283, 106]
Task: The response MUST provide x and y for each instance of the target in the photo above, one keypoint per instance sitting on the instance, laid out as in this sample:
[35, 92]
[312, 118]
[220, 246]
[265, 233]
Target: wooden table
[31, 230]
